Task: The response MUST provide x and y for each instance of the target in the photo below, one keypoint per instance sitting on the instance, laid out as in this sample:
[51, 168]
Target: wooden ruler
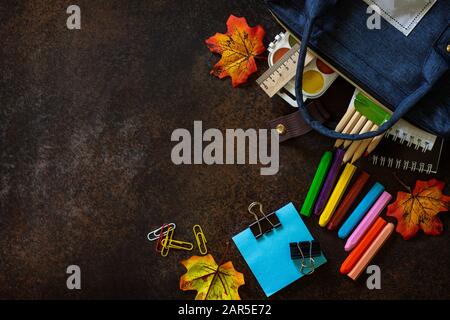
[277, 76]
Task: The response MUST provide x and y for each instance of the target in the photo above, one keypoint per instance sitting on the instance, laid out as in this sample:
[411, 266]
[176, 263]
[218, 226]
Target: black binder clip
[265, 224]
[307, 248]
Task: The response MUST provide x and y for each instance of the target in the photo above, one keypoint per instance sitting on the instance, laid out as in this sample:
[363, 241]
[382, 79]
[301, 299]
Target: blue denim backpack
[408, 74]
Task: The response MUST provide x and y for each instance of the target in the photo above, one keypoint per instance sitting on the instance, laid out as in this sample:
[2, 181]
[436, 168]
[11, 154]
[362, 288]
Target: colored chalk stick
[329, 182]
[367, 221]
[360, 210]
[337, 194]
[366, 241]
[348, 201]
[374, 247]
[316, 184]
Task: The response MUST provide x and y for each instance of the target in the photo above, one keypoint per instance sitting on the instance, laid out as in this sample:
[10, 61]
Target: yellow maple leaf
[238, 47]
[209, 280]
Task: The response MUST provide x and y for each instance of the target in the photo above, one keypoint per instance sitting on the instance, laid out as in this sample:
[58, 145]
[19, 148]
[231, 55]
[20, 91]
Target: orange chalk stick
[371, 251]
[359, 250]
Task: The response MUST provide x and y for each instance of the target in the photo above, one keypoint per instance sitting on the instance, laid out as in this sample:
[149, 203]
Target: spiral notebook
[406, 147]
[406, 133]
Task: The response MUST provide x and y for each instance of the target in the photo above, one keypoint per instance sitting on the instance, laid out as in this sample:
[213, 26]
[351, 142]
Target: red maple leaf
[419, 209]
[238, 47]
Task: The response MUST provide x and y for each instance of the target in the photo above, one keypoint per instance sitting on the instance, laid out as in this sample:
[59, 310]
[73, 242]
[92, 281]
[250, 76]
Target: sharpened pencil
[355, 144]
[346, 118]
[374, 143]
[357, 129]
[350, 125]
[363, 146]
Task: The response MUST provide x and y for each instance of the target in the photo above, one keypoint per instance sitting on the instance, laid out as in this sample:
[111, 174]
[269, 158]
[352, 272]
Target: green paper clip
[316, 184]
[371, 110]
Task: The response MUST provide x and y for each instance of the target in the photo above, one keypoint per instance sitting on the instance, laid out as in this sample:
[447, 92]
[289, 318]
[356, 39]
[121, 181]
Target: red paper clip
[162, 234]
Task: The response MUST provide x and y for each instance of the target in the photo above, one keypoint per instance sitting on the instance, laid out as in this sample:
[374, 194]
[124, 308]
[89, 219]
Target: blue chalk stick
[359, 212]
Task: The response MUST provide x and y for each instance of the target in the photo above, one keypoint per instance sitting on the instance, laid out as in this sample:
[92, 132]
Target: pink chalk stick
[368, 220]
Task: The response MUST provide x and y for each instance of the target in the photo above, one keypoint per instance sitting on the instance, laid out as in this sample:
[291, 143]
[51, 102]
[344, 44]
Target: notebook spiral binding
[402, 164]
[401, 137]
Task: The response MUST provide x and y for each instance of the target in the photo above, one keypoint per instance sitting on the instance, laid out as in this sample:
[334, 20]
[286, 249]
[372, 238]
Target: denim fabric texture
[408, 74]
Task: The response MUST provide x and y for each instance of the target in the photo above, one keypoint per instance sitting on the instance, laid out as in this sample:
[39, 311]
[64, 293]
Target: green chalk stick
[316, 184]
[371, 110]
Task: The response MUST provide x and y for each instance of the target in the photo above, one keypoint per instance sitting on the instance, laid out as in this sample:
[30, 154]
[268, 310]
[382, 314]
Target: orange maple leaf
[419, 209]
[211, 281]
[238, 47]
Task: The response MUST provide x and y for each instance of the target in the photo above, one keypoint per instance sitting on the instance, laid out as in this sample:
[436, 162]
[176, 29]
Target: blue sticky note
[269, 256]
[360, 210]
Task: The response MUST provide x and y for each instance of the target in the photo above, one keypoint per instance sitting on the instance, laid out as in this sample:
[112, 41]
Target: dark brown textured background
[85, 123]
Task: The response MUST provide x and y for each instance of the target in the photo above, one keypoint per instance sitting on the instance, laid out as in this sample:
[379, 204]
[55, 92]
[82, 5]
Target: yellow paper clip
[169, 243]
[201, 239]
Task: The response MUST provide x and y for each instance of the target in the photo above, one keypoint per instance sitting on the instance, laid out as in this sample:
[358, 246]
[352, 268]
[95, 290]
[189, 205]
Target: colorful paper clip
[155, 234]
[163, 230]
[200, 238]
[169, 243]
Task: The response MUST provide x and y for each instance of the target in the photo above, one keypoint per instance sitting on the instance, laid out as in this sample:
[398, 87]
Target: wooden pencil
[362, 146]
[356, 129]
[350, 125]
[346, 118]
[374, 143]
[355, 144]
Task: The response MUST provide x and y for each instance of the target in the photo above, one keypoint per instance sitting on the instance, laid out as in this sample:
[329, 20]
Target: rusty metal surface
[85, 123]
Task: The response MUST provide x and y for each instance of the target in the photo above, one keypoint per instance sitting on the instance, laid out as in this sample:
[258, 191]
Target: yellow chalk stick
[337, 194]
